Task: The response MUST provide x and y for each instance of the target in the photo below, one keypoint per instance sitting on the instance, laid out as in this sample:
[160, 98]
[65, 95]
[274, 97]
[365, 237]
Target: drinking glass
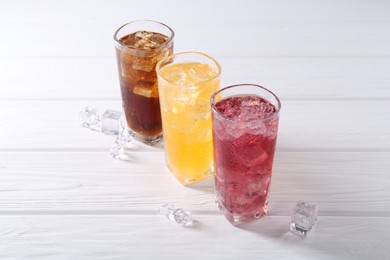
[186, 82]
[245, 121]
[139, 46]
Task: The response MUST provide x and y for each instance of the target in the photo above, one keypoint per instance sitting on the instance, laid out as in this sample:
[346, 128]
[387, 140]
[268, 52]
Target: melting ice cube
[110, 122]
[107, 123]
[303, 218]
[177, 215]
[90, 118]
[118, 150]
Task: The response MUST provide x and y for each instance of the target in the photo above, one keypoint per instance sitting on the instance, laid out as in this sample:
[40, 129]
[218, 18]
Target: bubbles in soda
[244, 148]
[138, 79]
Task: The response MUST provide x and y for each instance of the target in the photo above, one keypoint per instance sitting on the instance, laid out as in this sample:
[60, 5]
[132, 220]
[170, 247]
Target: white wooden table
[63, 197]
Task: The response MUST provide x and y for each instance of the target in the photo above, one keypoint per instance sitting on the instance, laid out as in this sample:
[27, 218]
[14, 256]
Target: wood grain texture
[304, 125]
[324, 78]
[63, 197]
[260, 39]
[93, 183]
[266, 29]
[146, 237]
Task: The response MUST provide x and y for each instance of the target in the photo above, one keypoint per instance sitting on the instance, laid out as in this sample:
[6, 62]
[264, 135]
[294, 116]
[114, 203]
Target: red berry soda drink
[245, 126]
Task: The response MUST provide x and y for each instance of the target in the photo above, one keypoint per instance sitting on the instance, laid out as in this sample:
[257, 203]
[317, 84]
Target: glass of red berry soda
[245, 121]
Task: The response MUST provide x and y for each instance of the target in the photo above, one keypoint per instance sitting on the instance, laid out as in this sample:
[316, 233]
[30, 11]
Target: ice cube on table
[303, 218]
[90, 118]
[118, 151]
[181, 217]
[166, 209]
[110, 122]
[177, 215]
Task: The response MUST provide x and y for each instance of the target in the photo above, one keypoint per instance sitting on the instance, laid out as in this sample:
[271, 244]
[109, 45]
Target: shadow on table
[277, 229]
[206, 185]
[266, 226]
[296, 177]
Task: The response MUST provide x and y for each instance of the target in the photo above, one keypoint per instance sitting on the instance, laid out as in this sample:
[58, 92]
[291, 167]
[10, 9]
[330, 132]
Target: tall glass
[186, 82]
[245, 125]
[139, 46]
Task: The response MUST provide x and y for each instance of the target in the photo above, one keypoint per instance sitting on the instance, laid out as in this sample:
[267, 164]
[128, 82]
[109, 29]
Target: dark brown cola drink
[139, 46]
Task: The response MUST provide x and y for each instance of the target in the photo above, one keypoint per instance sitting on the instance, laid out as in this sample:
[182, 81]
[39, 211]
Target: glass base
[149, 140]
[186, 179]
[244, 217]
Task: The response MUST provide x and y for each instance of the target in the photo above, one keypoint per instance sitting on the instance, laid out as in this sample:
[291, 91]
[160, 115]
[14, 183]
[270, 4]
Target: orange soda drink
[186, 82]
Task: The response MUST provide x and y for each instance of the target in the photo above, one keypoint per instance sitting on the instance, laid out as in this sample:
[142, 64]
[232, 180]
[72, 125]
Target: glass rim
[170, 38]
[159, 68]
[213, 103]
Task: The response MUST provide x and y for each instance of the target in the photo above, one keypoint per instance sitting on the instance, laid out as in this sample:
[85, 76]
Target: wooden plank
[145, 237]
[289, 77]
[341, 184]
[94, 39]
[304, 125]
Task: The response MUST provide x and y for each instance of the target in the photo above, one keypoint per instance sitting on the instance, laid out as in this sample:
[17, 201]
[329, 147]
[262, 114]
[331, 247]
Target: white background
[63, 197]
